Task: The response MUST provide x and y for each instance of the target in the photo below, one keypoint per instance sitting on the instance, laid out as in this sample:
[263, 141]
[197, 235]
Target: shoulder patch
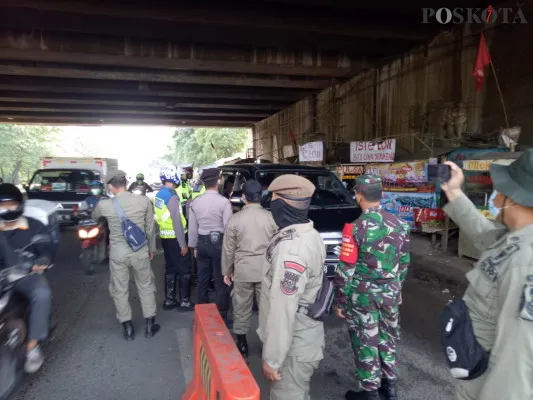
[526, 302]
[491, 265]
[291, 277]
[287, 235]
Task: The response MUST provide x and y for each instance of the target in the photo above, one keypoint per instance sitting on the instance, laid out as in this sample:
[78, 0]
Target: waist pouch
[466, 358]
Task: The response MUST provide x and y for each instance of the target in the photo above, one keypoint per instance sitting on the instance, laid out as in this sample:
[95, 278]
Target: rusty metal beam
[153, 62]
[135, 101]
[83, 122]
[104, 110]
[156, 76]
[248, 18]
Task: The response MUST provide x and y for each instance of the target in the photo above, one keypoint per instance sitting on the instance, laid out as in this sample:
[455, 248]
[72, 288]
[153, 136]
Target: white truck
[66, 181]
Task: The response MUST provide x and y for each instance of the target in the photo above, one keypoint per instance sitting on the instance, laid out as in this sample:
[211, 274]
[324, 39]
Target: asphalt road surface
[87, 358]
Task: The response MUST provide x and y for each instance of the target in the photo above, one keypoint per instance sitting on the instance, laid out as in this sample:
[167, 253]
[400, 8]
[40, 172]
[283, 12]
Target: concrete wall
[426, 96]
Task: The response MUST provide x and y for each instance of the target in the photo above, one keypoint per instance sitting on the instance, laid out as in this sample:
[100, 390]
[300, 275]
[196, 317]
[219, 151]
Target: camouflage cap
[291, 185]
[115, 175]
[368, 182]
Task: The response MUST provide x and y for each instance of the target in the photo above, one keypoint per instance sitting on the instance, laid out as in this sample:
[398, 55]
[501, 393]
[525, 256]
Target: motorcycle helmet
[11, 202]
[97, 188]
[169, 174]
[140, 178]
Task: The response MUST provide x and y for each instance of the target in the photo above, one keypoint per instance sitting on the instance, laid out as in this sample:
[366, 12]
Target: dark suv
[331, 206]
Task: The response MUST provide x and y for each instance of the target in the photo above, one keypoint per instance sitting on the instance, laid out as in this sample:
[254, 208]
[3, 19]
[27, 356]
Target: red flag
[293, 138]
[482, 60]
[212, 146]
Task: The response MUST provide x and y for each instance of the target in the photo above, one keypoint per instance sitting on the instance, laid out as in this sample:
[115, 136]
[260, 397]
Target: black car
[331, 206]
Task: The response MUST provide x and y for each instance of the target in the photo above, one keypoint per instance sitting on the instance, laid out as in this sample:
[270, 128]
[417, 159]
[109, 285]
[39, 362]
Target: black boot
[128, 331]
[151, 327]
[388, 389]
[242, 345]
[211, 287]
[364, 395]
[170, 292]
[185, 293]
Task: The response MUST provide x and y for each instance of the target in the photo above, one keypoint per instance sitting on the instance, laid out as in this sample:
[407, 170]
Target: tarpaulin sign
[349, 249]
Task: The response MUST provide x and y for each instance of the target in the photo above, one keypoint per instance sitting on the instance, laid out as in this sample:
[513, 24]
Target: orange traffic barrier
[219, 370]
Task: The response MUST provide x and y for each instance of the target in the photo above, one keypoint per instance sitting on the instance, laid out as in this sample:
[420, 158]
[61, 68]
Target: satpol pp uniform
[499, 298]
[293, 343]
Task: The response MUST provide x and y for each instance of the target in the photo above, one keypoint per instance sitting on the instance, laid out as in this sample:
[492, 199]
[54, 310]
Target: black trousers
[209, 263]
[178, 266]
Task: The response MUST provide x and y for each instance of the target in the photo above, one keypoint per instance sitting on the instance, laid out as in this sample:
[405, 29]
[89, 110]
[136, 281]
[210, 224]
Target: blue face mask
[265, 192]
[495, 211]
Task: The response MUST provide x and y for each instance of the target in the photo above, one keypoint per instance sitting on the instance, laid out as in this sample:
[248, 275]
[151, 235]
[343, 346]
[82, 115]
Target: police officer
[293, 343]
[197, 189]
[122, 258]
[184, 189]
[172, 231]
[208, 216]
[369, 291]
[245, 241]
[500, 296]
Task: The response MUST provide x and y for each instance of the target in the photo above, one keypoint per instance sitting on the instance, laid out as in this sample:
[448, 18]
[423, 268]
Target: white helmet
[169, 174]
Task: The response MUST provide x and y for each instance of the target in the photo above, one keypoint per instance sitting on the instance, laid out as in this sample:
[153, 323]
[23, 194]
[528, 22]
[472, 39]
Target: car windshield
[62, 180]
[330, 192]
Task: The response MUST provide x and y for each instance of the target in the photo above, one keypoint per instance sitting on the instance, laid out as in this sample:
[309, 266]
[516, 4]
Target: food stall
[478, 188]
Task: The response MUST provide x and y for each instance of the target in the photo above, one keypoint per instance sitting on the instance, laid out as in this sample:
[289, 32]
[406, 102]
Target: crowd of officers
[278, 256]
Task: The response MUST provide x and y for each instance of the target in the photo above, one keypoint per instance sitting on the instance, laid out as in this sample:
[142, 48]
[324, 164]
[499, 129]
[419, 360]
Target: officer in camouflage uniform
[369, 291]
[499, 297]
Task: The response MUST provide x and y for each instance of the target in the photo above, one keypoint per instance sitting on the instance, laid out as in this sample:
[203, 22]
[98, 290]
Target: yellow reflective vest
[162, 214]
[197, 191]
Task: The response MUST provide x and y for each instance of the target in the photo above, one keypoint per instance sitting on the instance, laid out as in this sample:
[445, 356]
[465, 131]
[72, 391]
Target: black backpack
[466, 358]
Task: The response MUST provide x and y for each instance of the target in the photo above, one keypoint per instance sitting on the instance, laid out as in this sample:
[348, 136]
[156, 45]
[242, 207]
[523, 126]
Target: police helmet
[169, 174]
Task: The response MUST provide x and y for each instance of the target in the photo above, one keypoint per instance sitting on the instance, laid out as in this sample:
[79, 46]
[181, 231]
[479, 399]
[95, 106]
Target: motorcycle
[14, 312]
[94, 247]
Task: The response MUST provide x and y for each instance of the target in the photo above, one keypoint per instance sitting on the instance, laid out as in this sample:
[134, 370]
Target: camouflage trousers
[374, 332]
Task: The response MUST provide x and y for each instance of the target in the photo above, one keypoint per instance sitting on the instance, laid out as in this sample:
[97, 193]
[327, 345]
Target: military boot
[151, 327]
[170, 292]
[388, 389]
[242, 345]
[364, 395]
[128, 331]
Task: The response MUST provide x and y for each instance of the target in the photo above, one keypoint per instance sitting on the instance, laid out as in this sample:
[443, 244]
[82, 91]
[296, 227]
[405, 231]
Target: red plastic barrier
[220, 372]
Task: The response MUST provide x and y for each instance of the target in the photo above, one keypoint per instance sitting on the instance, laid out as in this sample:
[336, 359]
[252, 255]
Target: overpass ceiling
[209, 63]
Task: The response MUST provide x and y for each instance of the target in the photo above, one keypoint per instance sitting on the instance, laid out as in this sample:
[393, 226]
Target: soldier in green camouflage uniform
[369, 291]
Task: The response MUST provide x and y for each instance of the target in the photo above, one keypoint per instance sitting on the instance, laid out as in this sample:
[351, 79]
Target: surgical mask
[495, 211]
[265, 192]
[285, 214]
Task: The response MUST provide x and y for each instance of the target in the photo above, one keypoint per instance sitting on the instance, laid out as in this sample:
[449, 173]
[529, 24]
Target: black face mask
[11, 215]
[285, 214]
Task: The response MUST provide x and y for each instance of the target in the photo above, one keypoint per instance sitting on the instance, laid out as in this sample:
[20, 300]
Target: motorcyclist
[97, 194]
[18, 232]
[140, 184]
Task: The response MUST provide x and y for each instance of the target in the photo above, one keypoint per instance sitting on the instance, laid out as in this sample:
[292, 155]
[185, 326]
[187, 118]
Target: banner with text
[404, 204]
[369, 152]
[312, 151]
[402, 177]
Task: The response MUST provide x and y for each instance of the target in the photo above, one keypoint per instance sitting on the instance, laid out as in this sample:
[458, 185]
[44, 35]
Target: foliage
[193, 145]
[21, 150]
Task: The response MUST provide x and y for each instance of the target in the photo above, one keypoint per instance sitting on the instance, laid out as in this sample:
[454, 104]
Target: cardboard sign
[349, 249]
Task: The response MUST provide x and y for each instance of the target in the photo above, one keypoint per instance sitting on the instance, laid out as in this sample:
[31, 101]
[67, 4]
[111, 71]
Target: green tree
[22, 148]
[193, 145]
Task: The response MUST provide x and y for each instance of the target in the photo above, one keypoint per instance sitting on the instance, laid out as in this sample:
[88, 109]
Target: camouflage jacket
[382, 240]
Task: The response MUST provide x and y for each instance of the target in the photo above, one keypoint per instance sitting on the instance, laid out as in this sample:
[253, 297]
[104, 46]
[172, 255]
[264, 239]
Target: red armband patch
[292, 275]
[349, 249]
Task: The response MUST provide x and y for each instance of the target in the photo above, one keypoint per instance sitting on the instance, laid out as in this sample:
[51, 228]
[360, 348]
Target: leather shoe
[389, 389]
[364, 395]
[151, 328]
[128, 331]
[242, 345]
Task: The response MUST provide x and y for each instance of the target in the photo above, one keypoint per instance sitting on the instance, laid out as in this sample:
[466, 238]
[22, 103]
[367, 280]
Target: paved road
[88, 359]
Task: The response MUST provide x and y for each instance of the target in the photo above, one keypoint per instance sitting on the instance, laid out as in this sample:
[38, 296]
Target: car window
[62, 180]
[232, 181]
[330, 192]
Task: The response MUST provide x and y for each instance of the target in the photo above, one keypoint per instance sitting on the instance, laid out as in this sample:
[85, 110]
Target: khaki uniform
[292, 342]
[500, 302]
[139, 210]
[246, 238]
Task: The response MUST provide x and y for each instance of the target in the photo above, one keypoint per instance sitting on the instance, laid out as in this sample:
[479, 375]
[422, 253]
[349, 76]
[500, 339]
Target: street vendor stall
[478, 188]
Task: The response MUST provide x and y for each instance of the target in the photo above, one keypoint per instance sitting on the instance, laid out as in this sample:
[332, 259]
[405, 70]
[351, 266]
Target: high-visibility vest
[162, 214]
[184, 192]
[197, 191]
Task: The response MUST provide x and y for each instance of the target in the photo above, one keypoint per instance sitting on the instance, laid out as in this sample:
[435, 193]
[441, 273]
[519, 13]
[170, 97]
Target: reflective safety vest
[162, 214]
[197, 191]
[184, 192]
